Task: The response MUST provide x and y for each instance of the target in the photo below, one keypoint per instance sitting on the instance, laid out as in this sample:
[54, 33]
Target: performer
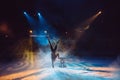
[53, 50]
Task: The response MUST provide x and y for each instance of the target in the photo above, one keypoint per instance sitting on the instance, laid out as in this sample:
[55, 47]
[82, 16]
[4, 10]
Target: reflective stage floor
[74, 70]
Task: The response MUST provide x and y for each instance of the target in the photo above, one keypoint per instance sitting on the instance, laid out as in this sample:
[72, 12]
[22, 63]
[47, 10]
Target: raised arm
[56, 45]
[51, 47]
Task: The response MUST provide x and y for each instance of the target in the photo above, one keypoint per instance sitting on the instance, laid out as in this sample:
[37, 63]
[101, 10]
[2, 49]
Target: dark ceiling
[64, 15]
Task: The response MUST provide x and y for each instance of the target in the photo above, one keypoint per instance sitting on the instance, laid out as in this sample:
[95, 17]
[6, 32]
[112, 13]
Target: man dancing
[53, 51]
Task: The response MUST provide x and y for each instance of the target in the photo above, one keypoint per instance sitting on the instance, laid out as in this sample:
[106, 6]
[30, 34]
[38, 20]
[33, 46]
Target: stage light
[100, 12]
[25, 13]
[38, 14]
[45, 32]
[30, 31]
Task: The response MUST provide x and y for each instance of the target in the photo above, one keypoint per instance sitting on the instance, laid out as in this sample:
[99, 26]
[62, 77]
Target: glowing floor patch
[77, 70]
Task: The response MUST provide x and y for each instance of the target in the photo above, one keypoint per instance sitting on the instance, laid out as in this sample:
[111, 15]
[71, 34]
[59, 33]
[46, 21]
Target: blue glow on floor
[75, 70]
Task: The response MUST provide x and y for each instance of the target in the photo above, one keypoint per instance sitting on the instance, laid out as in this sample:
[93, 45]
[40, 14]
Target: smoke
[116, 63]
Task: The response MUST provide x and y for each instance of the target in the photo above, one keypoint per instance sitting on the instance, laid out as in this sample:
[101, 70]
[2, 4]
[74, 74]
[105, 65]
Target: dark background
[101, 40]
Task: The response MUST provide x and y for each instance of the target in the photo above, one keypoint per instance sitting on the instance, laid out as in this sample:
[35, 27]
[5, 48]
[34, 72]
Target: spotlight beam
[30, 20]
[79, 31]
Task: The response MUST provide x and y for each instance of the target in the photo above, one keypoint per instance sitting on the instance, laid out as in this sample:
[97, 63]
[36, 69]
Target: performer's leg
[52, 61]
[52, 64]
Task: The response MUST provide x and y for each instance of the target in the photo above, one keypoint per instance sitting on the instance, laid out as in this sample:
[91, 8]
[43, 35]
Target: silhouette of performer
[53, 50]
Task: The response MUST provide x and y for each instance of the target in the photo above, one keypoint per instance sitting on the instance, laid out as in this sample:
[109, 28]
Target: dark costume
[53, 51]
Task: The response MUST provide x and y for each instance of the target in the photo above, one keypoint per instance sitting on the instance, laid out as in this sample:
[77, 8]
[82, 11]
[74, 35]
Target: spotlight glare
[39, 14]
[100, 12]
[30, 31]
[45, 32]
[25, 13]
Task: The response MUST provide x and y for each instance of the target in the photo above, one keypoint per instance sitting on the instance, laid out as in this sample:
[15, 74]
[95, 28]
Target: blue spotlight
[30, 19]
[25, 13]
[38, 14]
